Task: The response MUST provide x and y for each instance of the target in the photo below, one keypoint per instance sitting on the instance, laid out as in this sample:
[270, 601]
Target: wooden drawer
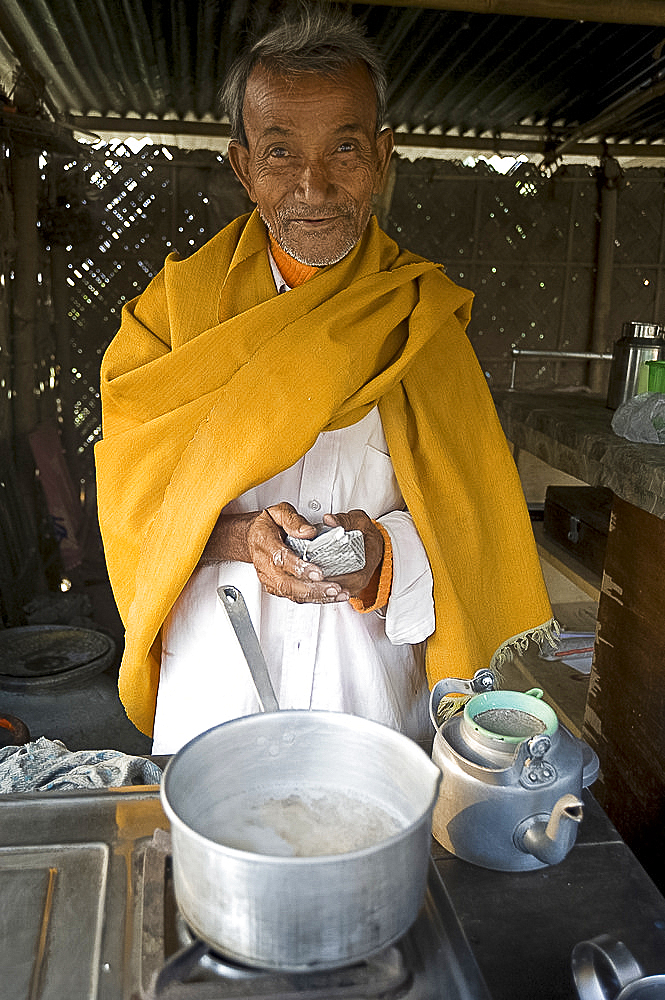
[578, 518]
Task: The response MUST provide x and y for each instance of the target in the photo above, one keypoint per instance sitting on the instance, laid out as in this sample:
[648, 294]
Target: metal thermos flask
[629, 374]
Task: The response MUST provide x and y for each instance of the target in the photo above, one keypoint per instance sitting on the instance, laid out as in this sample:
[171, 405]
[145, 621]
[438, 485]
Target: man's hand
[258, 537]
[280, 570]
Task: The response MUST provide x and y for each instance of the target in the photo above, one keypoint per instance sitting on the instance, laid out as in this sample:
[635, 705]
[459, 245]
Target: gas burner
[184, 967]
[431, 962]
[198, 972]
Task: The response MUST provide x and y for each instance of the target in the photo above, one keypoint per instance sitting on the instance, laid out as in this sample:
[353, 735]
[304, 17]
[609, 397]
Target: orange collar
[293, 272]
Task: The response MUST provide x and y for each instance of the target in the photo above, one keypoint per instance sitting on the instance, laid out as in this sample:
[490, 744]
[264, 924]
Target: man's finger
[287, 517]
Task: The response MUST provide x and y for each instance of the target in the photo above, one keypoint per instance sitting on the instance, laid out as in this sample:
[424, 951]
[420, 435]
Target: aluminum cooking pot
[269, 890]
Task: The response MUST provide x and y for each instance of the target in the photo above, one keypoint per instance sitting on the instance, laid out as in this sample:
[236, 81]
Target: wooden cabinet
[625, 712]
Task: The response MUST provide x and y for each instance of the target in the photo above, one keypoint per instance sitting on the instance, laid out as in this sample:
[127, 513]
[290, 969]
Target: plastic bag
[642, 418]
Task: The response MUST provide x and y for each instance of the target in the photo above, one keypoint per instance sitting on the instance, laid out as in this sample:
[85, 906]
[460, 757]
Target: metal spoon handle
[238, 614]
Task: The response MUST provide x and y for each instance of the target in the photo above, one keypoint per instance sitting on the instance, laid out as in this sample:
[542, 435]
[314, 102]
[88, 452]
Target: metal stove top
[87, 912]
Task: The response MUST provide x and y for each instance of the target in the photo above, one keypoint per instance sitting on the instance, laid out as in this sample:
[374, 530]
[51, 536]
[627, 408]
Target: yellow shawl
[214, 384]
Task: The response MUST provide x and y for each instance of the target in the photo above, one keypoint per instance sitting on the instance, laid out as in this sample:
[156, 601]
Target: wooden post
[63, 351]
[601, 336]
[25, 180]
[25, 402]
[6, 254]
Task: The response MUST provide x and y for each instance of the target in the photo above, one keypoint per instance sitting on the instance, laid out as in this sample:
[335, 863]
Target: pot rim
[340, 720]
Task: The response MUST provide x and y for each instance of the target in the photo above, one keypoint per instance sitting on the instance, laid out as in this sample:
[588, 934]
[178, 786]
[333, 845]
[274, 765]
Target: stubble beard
[312, 258]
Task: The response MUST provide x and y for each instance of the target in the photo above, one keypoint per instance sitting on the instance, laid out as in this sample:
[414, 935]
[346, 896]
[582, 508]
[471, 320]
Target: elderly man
[235, 416]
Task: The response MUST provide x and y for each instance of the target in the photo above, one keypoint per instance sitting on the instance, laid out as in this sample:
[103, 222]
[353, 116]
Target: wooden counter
[624, 713]
[572, 431]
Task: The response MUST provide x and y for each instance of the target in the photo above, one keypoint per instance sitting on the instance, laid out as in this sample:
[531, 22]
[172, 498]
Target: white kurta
[319, 656]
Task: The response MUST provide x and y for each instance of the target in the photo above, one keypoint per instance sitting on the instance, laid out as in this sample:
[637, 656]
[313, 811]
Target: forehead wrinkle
[284, 130]
[279, 130]
[267, 89]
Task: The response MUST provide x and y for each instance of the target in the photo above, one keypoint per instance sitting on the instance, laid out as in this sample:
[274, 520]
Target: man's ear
[239, 159]
[385, 144]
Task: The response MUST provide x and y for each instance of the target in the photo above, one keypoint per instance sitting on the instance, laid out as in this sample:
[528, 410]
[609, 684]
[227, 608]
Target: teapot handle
[482, 680]
[602, 961]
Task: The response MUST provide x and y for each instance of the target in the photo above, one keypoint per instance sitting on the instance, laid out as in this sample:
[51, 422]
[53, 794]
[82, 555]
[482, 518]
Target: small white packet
[334, 550]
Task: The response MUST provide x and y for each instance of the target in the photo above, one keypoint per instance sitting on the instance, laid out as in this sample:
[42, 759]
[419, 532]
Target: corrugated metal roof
[453, 73]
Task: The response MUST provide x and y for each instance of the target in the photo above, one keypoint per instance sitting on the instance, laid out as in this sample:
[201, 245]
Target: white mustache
[301, 214]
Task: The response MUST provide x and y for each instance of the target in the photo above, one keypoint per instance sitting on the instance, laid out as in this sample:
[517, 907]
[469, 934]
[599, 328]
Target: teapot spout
[550, 840]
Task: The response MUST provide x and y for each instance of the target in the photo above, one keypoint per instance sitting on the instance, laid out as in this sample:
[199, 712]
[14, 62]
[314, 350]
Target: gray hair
[317, 41]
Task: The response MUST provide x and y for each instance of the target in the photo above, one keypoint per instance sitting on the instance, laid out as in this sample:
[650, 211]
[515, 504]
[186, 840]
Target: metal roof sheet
[453, 72]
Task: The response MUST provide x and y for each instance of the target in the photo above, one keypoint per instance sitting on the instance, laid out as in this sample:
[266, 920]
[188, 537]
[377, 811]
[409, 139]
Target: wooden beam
[602, 301]
[92, 124]
[610, 11]
[39, 132]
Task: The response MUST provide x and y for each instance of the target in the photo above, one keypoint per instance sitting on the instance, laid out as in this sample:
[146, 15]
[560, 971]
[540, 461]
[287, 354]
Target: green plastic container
[656, 376]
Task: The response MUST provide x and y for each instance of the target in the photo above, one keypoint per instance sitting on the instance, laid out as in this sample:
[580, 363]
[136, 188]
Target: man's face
[313, 159]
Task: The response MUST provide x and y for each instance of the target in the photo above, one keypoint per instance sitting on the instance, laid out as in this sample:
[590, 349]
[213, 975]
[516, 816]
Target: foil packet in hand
[334, 550]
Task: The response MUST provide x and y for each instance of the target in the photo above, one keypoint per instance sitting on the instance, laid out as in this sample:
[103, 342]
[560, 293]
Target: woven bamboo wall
[524, 243]
[116, 217]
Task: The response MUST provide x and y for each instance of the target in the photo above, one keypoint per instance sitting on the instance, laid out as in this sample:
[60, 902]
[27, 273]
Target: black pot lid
[56, 652]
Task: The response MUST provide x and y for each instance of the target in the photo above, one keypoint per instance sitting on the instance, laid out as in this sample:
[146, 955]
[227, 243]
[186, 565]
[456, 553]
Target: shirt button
[314, 505]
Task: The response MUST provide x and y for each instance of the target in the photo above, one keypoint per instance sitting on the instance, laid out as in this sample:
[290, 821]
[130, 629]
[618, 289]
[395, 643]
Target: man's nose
[314, 183]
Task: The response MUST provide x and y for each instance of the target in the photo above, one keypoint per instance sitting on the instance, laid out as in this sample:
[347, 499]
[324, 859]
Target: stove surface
[87, 912]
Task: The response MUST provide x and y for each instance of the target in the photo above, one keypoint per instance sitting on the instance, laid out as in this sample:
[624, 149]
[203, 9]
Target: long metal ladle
[238, 614]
